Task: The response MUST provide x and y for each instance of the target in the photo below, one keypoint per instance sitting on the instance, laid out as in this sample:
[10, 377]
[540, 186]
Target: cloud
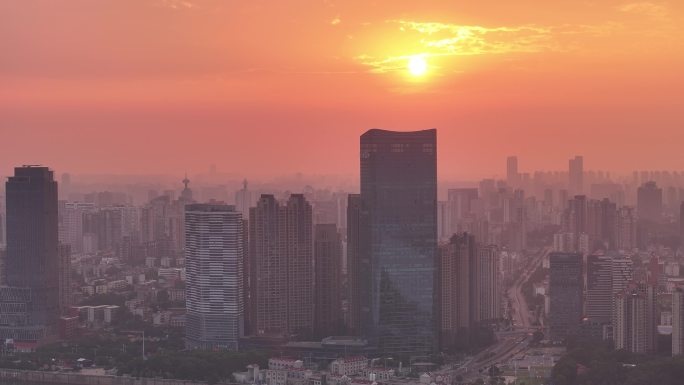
[174, 4]
[445, 39]
[653, 10]
[439, 39]
[335, 21]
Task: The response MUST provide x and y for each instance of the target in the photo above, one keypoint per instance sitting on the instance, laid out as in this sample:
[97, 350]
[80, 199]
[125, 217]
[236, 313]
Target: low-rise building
[350, 366]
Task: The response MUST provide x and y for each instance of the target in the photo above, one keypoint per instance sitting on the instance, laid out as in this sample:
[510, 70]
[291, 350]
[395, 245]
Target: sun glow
[417, 65]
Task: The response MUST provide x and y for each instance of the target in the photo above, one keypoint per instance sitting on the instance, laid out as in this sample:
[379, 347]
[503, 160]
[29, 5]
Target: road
[521, 311]
[509, 343]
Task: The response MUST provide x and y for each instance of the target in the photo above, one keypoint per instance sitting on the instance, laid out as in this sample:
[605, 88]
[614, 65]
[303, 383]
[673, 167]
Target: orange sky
[274, 87]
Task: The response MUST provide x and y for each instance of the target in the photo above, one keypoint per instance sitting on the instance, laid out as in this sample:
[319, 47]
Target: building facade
[214, 281]
[328, 318]
[399, 190]
[30, 301]
[566, 284]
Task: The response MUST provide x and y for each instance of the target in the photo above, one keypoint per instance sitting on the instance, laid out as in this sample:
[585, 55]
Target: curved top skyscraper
[399, 195]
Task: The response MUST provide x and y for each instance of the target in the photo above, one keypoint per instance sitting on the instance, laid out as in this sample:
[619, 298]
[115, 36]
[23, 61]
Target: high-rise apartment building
[64, 254]
[678, 321]
[626, 231]
[357, 240]
[244, 199]
[298, 238]
[399, 190]
[457, 285]
[214, 281]
[681, 220]
[71, 216]
[459, 206]
[30, 302]
[282, 267]
[650, 202]
[576, 175]
[636, 319]
[469, 288]
[566, 284]
[328, 265]
[488, 283]
[622, 272]
[268, 282]
[512, 175]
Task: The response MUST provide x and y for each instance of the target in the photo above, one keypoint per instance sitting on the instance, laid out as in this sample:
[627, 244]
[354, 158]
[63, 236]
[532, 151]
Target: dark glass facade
[565, 289]
[399, 192]
[31, 300]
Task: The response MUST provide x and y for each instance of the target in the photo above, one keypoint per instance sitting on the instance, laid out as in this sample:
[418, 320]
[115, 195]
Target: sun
[417, 65]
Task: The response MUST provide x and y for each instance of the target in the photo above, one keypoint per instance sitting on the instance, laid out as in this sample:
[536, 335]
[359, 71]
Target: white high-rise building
[214, 280]
[71, 224]
[678, 321]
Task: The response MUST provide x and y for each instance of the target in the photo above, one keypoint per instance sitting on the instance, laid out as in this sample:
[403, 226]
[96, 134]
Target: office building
[214, 281]
[566, 284]
[399, 190]
[30, 302]
[599, 288]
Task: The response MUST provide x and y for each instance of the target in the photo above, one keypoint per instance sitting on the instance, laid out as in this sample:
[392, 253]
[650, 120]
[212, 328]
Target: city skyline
[341, 192]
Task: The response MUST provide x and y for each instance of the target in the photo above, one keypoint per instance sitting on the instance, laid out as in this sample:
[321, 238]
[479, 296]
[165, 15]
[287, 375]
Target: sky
[269, 87]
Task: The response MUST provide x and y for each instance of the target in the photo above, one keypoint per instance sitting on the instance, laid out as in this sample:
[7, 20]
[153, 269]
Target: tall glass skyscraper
[29, 304]
[399, 192]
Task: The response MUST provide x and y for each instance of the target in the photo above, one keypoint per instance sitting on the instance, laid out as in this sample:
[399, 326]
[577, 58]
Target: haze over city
[293, 192]
[271, 88]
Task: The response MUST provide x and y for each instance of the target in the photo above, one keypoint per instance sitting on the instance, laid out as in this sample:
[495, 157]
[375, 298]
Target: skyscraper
[650, 202]
[357, 240]
[626, 231]
[328, 296]
[298, 237]
[30, 308]
[268, 297]
[459, 202]
[512, 176]
[243, 199]
[399, 189]
[599, 288]
[214, 282]
[282, 267]
[565, 290]
[635, 319]
[488, 283]
[457, 286]
[681, 220]
[678, 321]
[64, 278]
[576, 175]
